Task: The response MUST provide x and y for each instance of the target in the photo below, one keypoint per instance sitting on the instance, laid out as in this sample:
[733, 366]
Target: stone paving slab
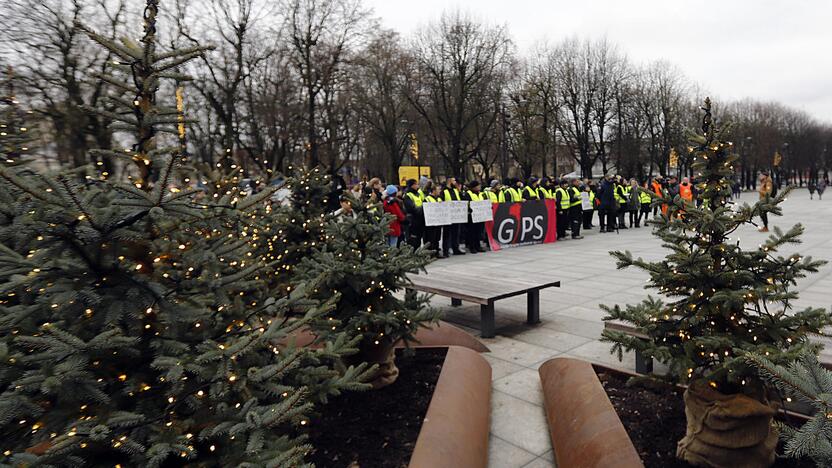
[571, 320]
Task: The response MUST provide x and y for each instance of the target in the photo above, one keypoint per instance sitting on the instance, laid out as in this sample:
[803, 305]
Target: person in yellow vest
[414, 217]
[515, 191]
[450, 233]
[433, 233]
[473, 231]
[495, 192]
[562, 205]
[530, 191]
[621, 196]
[587, 214]
[546, 190]
[576, 208]
[519, 186]
[508, 191]
[645, 200]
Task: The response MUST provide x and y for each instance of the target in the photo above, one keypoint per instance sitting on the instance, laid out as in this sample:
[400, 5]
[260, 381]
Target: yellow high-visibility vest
[644, 197]
[496, 197]
[576, 198]
[432, 199]
[417, 200]
[475, 196]
[448, 195]
[564, 198]
[620, 194]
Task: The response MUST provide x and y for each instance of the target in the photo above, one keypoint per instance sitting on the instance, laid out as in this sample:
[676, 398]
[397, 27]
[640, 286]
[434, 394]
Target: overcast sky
[766, 49]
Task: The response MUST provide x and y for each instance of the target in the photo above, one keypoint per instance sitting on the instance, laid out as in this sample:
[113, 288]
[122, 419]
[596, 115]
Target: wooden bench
[644, 364]
[483, 291]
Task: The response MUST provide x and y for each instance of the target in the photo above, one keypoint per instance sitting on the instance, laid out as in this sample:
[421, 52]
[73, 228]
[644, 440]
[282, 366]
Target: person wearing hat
[530, 191]
[517, 190]
[413, 212]
[473, 231]
[546, 190]
[495, 192]
[562, 205]
[576, 211]
[392, 207]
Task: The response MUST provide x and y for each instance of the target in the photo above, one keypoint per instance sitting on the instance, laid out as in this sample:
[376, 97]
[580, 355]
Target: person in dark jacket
[608, 208]
[473, 231]
[562, 202]
[413, 214]
[451, 232]
[433, 234]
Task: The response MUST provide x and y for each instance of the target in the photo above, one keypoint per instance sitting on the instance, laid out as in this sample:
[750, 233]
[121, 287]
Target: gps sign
[516, 224]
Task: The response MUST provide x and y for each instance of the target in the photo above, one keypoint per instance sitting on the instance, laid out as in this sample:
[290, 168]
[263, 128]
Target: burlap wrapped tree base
[726, 430]
[384, 356]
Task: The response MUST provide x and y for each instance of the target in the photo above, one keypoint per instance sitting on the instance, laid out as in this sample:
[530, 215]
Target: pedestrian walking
[766, 188]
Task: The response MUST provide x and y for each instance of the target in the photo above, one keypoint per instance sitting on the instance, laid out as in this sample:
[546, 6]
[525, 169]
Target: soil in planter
[654, 418]
[378, 428]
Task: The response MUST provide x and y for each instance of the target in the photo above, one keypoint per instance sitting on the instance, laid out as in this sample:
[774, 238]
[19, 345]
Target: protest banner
[481, 211]
[516, 224]
[444, 213]
[586, 204]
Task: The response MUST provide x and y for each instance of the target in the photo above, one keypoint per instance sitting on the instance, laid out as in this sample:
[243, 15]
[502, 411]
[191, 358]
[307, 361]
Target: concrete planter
[440, 334]
[455, 430]
[585, 429]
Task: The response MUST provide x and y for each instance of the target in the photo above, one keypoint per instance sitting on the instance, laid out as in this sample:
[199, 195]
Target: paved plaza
[571, 319]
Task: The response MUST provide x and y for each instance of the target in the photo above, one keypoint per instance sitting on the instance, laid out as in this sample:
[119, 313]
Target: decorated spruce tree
[356, 263]
[293, 227]
[807, 381]
[723, 300]
[135, 327]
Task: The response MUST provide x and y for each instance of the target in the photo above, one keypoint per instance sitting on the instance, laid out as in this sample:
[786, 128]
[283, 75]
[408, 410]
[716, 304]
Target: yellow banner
[410, 172]
[674, 158]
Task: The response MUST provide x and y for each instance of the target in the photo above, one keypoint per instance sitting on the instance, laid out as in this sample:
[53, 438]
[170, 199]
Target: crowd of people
[617, 202]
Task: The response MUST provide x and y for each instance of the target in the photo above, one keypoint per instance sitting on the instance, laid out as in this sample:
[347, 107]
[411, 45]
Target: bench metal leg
[456, 302]
[487, 320]
[533, 305]
[644, 364]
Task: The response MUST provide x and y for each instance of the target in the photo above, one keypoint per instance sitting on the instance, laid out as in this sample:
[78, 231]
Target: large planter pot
[455, 429]
[585, 429]
[439, 334]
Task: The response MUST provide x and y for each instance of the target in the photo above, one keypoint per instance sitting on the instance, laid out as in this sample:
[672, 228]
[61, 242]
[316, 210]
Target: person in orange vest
[658, 189]
[686, 190]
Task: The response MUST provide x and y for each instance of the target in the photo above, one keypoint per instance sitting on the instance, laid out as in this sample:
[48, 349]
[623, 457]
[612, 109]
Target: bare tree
[459, 64]
[229, 25]
[56, 63]
[379, 83]
[320, 34]
[610, 70]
